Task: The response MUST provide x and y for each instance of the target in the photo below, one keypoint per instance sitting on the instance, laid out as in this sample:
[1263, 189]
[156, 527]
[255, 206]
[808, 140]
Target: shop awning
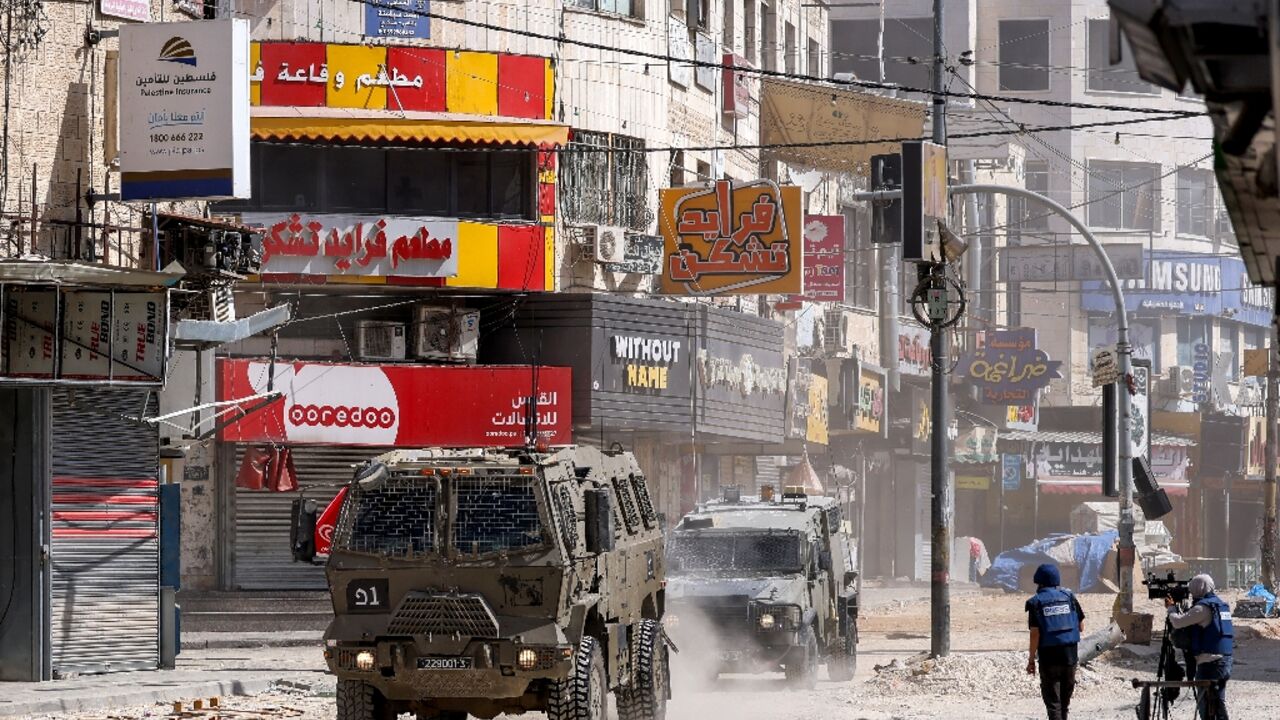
[38, 269]
[354, 125]
[1087, 438]
[1091, 486]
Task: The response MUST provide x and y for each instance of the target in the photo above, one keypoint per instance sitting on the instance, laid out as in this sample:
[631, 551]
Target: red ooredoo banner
[397, 405]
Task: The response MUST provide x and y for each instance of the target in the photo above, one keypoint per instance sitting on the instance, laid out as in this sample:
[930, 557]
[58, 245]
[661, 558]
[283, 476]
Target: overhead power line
[693, 62]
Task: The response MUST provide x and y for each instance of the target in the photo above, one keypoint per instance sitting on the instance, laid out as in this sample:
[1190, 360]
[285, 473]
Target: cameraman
[1209, 620]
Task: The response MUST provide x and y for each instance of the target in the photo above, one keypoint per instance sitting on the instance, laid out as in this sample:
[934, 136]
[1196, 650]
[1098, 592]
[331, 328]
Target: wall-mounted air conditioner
[380, 340]
[446, 334]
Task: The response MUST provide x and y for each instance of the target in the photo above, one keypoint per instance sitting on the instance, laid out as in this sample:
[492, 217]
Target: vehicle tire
[646, 697]
[585, 694]
[802, 665]
[842, 666]
[361, 701]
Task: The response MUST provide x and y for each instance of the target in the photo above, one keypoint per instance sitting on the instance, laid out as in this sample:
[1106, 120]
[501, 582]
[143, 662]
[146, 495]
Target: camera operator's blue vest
[1218, 636]
[1055, 615]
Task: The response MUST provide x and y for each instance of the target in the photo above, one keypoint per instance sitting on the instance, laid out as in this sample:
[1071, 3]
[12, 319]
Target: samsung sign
[1180, 283]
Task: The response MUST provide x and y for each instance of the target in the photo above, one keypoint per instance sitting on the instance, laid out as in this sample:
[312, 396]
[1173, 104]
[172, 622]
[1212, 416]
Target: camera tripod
[1170, 679]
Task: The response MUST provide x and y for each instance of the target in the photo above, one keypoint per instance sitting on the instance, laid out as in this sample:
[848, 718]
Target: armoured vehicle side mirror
[302, 530]
[599, 505]
[371, 474]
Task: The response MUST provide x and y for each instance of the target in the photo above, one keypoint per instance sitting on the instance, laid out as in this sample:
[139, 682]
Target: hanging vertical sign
[1011, 471]
[1140, 410]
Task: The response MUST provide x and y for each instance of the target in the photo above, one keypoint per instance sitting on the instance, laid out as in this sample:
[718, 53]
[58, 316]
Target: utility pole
[1268, 540]
[939, 515]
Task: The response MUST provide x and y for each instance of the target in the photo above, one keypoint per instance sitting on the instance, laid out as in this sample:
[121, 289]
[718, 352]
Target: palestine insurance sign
[1009, 368]
[184, 110]
[742, 239]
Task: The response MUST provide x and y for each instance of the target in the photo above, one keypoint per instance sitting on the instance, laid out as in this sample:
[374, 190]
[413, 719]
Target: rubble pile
[989, 674]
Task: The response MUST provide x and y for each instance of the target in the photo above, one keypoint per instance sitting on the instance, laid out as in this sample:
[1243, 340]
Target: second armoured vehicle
[487, 582]
[758, 584]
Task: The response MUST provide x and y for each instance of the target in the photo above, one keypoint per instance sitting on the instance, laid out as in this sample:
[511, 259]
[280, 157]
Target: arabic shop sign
[817, 428]
[872, 401]
[976, 445]
[732, 239]
[913, 350]
[359, 245]
[1187, 284]
[641, 254]
[398, 19]
[1009, 368]
[799, 381]
[647, 360]
[823, 259]
[184, 110]
[745, 377]
[139, 10]
[1067, 460]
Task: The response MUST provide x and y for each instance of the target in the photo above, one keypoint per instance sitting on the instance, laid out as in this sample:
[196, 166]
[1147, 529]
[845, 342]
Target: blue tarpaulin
[1088, 551]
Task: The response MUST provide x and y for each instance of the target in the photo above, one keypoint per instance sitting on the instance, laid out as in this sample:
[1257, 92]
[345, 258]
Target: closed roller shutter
[262, 557]
[105, 553]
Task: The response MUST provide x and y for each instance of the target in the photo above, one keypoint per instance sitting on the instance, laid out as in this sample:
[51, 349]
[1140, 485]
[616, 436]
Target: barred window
[396, 519]
[567, 516]
[604, 180]
[647, 513]
[495, 514]
[628, 505]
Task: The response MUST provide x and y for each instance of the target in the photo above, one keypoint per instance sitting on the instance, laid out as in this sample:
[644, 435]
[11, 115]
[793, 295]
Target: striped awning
[354, 125]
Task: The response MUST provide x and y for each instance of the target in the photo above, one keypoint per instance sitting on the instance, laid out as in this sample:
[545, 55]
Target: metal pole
[1267, 546]
[939, 515]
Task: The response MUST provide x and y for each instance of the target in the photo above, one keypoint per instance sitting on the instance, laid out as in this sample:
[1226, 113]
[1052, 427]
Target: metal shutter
[262, 557]
[105, 547]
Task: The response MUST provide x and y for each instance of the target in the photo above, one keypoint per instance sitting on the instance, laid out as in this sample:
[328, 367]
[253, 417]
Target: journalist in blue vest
[1056, 621]
[1211, 642]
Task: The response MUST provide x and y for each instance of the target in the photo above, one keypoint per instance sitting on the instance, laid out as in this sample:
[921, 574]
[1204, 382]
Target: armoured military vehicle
[760, 583]
[486, 582]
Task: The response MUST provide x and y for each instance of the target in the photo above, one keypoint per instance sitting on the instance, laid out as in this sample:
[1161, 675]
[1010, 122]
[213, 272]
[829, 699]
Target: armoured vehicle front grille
[454, 683]
[429, 614]
[727, 614]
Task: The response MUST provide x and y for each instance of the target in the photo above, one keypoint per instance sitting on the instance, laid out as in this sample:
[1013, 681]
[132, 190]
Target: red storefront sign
[397, 405]
[823, 259]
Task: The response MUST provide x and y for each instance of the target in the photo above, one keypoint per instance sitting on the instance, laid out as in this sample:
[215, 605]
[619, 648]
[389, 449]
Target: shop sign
[1170, 462]
[641, 254]
[745, 376]
[1201, 369]
[913, 350]
[817, 430]
[1257, 362]
[736, 90]
[360, 245]
[976, 445]
[872, 402]
[1187, 284]
[1022, 417]
[1256, 458]
[1009, 369]
[397, 19]
[732, 239]
[823, 259]
[1140, 411]
[1011, 472]
[799, 381]
[1067, 460]
[704, 75]
[398, 405]
[1067, 263]
[138, 10]
[646, 362]
[921, 421]
[973, 482]
[85, 336]
[184, 110]
[681, 48]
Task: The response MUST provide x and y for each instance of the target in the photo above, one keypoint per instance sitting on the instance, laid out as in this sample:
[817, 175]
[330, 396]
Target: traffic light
[886, 215]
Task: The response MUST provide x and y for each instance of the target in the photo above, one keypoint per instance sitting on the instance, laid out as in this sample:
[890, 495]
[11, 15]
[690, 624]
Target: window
[1022, 214]
[749, 29]
[494, 515]
[1192, 331]
[1113, 78]
[855, 44]
[677, 169]
[815, 58]
[728, 40]
[861, 271]
[768, 37]
[1144, 336]
[353, 179]
[790, 50]
[1196, 191]
[1229, 349]
[605, 186]
[1254, 337]
[1024, 55]
[704, 171]
[1124, 195]
[629, 8]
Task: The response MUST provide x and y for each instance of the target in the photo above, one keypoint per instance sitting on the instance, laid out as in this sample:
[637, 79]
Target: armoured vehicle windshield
[754, 552]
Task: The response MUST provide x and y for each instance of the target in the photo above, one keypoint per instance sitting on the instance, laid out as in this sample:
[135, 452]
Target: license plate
[445, 663]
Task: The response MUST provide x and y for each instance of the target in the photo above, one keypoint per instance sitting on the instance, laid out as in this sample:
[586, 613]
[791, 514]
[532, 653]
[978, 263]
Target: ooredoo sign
[393, 405]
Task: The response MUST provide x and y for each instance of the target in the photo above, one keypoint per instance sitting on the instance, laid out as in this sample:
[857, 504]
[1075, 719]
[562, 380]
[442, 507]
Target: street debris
[986, 674]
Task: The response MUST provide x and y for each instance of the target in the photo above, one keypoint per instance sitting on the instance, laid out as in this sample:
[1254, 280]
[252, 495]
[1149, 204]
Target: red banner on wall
[823, 259]
[397, 405]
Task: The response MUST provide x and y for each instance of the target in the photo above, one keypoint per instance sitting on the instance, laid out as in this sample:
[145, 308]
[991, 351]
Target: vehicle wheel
[802, 664]
[584, 695]
[646, 697]
[361, 701]
[841, 667]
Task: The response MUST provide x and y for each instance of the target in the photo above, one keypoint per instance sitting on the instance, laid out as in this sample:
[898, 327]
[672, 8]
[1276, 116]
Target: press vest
[1217, 637]
[1055, 615]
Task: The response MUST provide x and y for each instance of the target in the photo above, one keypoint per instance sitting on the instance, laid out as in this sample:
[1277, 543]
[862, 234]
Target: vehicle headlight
[767, 621]
[364, 660]
[527, 659]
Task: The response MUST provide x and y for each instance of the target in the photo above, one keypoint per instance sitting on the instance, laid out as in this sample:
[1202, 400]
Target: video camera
[1167, 587]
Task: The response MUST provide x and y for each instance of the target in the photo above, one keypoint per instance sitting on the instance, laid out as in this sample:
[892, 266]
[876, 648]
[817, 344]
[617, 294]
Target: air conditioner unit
[446, 334]
[610, 244]
[1178, 381]
[838, 335]
[380, 340]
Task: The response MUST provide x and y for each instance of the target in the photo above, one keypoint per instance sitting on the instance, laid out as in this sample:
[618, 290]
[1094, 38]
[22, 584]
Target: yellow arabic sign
[817, 430]
[732, 239]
